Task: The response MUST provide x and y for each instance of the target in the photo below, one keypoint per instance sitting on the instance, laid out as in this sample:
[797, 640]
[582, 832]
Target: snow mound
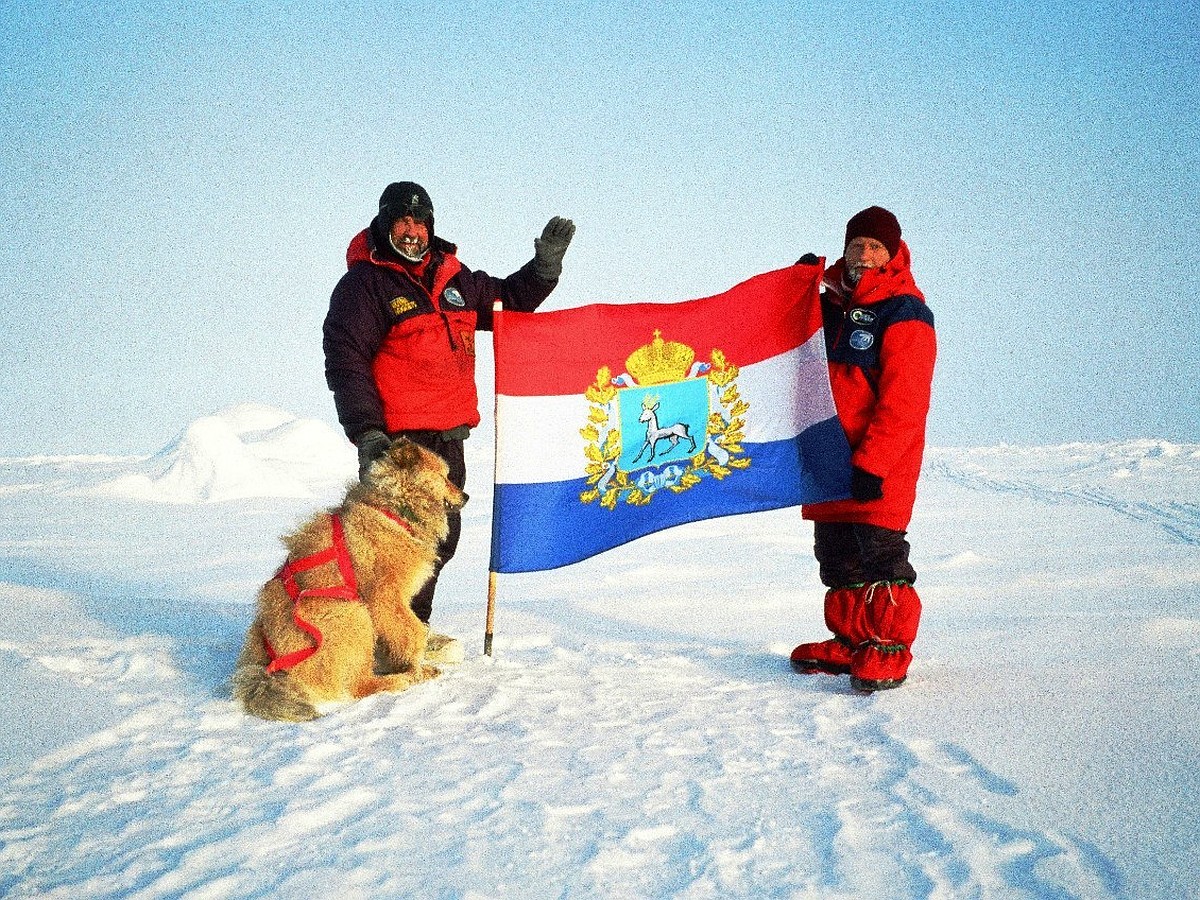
[249, 450]
[248, 418]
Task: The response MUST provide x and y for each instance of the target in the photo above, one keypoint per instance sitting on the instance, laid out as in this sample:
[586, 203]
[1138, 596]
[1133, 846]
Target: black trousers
[850, 553]
[451, 450]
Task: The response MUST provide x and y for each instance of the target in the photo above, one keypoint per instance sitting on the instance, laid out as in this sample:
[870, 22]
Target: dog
[343, 597]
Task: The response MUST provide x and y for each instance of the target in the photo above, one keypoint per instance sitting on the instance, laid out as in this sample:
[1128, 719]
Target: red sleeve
[906, 361]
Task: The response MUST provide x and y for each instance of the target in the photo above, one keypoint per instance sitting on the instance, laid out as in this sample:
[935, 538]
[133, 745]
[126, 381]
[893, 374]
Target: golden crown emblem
[660, 362]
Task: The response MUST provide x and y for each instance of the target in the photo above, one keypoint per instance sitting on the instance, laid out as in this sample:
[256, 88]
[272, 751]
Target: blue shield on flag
[662, 424]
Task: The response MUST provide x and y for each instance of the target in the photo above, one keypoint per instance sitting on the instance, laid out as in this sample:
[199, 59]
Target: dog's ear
[404, 452]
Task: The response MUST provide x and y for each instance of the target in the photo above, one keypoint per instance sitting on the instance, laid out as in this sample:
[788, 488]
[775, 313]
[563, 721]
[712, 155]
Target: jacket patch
[453, 297]
[861, 340]
[401, 305]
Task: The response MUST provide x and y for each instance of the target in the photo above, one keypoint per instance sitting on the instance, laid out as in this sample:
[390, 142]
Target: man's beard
[412, 249]
[854, 274]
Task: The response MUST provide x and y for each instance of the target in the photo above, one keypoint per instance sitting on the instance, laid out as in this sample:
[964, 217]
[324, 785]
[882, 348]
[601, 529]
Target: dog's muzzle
[458, 503]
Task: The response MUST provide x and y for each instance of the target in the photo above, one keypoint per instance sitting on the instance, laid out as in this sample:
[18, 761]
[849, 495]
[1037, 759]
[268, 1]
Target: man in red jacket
[399, 343]
[881, 346]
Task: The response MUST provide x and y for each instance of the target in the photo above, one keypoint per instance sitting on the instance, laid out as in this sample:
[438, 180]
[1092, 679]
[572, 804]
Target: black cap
[405, 198]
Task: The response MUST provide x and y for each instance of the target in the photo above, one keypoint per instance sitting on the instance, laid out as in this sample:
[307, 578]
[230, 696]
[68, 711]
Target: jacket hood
[890, 280]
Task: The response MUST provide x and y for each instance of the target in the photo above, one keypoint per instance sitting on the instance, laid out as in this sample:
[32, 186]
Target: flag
[614, 421]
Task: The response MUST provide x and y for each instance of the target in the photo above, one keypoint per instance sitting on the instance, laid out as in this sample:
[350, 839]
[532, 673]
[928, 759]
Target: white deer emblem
[654, 434]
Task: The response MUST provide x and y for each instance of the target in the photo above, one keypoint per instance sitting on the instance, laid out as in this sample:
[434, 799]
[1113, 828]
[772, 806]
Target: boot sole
[813, 667]
[869, 686]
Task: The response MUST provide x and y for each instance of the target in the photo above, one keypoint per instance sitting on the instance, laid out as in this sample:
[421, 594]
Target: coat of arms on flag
[666, 423]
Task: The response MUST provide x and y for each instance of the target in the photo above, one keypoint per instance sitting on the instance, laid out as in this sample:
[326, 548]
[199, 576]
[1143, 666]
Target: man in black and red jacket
[399, 342]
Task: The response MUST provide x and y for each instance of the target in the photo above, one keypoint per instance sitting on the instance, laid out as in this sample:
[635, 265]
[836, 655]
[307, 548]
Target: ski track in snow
[1178, 517]
[373, 799]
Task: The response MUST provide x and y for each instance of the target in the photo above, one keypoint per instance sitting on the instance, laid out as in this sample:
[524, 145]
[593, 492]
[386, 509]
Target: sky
[181, 181]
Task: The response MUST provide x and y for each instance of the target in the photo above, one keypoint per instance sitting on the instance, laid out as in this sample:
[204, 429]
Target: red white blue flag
[614, 421]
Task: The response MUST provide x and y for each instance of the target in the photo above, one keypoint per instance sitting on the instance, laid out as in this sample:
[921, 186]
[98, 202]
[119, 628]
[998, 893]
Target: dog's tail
[276, 696]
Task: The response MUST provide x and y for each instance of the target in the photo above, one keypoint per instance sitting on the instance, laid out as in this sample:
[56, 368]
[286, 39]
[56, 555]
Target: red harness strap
[338, 552]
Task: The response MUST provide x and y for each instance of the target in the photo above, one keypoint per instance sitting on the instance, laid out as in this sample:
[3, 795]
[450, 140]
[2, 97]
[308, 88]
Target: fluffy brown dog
[346, 588]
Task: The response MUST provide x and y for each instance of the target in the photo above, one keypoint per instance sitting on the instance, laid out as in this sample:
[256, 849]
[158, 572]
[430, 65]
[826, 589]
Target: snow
[250, 450]
[638, 732]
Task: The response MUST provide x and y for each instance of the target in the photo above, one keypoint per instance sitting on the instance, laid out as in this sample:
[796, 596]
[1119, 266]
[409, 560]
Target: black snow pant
[451, 450]
[851, 553]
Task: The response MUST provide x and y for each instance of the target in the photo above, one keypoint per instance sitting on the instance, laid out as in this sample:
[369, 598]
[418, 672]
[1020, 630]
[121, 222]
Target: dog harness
[348, 590]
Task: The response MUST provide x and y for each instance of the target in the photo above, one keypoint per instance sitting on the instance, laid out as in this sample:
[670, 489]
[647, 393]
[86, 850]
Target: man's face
[410, 237]
[864, 253]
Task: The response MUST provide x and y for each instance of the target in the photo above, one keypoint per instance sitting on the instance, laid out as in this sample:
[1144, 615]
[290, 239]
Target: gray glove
[548, 250]
[371, 445]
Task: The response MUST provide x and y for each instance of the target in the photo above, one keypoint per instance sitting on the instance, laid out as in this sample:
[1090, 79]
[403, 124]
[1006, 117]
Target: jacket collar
[441, 260]
[876, 285]
[363, 249]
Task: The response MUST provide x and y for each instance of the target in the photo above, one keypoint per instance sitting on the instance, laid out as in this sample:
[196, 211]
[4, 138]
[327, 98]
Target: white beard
[410, 250]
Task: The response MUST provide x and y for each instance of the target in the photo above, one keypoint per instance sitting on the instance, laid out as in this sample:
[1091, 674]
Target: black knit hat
[405, 198]
[875, 222]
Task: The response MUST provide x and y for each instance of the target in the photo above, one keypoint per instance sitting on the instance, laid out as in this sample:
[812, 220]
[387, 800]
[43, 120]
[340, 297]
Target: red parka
[881, 345]
[399, 339]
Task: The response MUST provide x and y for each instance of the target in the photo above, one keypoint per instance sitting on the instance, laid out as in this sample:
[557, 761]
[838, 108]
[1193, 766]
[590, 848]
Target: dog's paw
[427, 671]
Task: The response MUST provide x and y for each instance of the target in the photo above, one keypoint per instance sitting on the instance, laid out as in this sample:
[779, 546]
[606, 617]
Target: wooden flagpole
[491, 615]
[489, 626]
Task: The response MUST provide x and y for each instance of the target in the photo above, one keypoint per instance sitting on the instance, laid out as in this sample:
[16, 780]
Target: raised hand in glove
[864, 486]
[548, 250]
[371, 445]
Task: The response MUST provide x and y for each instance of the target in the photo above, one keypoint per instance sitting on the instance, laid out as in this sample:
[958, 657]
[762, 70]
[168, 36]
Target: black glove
[548, 250]
[864, 486]
[371, 445]
[808, 259]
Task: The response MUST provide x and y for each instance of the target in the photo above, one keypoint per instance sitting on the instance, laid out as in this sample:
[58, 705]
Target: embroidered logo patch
[453, 297]
[862, 316]
[862, 340]
[401, 305]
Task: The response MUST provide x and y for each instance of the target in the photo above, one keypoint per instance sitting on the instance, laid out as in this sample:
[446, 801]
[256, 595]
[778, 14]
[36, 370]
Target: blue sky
[181, 181]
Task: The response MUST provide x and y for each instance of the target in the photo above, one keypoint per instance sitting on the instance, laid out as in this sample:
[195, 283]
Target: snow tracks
[608, 769]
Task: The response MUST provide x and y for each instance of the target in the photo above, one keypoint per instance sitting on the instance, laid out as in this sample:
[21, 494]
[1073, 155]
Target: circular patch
[861, 340]
[862, 316]
[453, 297]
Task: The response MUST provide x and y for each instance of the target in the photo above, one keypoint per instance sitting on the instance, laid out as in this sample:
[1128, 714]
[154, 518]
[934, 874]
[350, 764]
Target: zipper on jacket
[449, 331]
[437, 307]
[436, 264]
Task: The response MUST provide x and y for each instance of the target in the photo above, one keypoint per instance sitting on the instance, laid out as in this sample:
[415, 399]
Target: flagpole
[491, 615]
[497, 307]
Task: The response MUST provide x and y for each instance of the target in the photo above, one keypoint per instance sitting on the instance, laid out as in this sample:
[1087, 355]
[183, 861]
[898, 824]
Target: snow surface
[638, 732]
